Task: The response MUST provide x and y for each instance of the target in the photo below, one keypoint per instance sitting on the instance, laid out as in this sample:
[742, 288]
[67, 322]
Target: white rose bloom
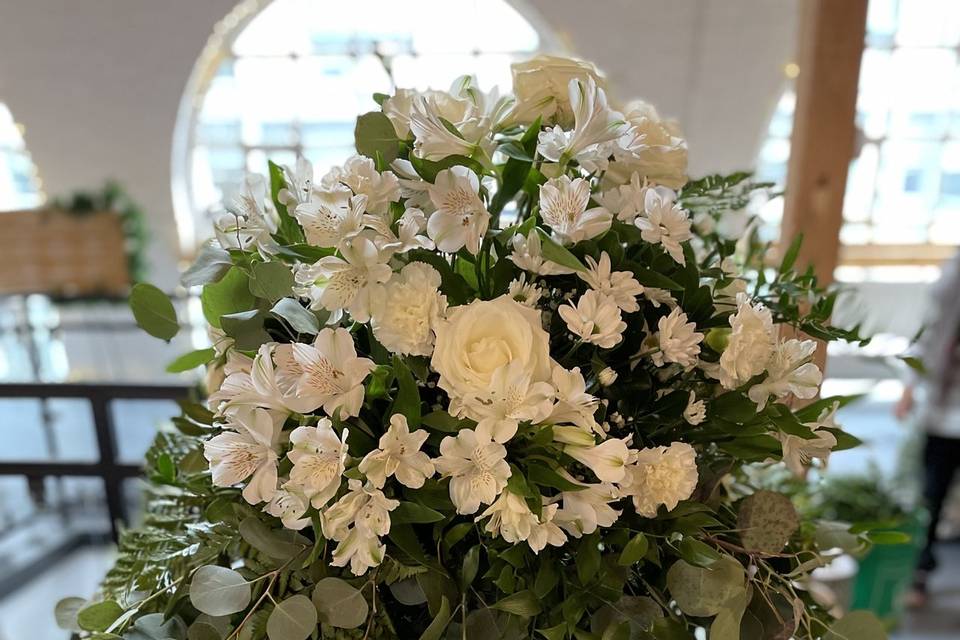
[249, 225]
[405, 318]
[608, 460]
[541, 85]
[512, 397]
[318, 458]
[326, 374]
[750, 344]
[527, 255]
[349, 283]
[563, 207]
[660, 156]
[620, 286]
[678, 339]
[526, 293]
[289, 504]
[696, 411]
[331, 217]
[399, 455]
[789, 371]
[664, 223]
[583, 512]
[368, 510]
[574, 405]
[661, 476]
[246, 450]
[596, 126]
[477, 468]
[799, 452]
[478, 338]
[361, 175]
[460, 219]
[595, 318]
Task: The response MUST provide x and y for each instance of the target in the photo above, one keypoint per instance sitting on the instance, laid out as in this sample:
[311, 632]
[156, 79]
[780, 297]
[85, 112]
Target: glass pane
[928, 23]
[858, 199]
[136, 423]
[907, 188]
[873, 99]
[919, 91]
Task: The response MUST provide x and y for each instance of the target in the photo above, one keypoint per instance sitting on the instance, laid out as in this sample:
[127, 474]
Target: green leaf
[443, 421]
[704, 592]
[914, 363]
[166, 469]
[153, 311]
[407, 401]
[888, 537]
[634, 551]
[726, 626]
[411, 512]
[439, 623]
[374, 134]
[650, 278]
[275, 543]
[230, 295]
[99, 615]
[292, 619]
[211, 264]
[155, 626]
[300, 319]
[66, 613]
[471, 564]
[857, 625]
[191, 360]
[698, 553]
[556, 252]
[790, 257]
[218, 591]
[289, 231]
[340, 604]
[544, 476]
[246, 329]
[200, 630]
[522, 603]
[270, 280]
[588, 558]
[428, 169]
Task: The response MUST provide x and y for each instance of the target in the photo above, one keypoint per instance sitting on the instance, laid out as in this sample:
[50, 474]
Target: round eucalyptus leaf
[340, 604]
[218, 591]
[203, 631]
[153, 311]
[703, 592]
[99, 615]
[408, 592]
[640, 611]
[293, 619]
[66, 613]
[154, 627]
[857, 625]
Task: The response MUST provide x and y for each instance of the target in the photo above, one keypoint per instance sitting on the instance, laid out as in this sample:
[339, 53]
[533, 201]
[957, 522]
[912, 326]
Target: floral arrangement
[488, 379]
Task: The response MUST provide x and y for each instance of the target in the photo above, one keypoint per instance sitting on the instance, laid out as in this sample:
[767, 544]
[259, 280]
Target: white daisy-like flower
[631, 198]
[660, 476]
[460, 219]
[331, 217]
[563, 207]
[750, 345]
[512, 397]
[528, 255]
[361, 175]
[477, 468]
[405, 316]
[595, 318]
[595, 125]
[657, 297]
[665, 223]
[696, 411]
[318, 458]
[789, 371]
[678, 340]
[573, 404]
[799, 452]
[526, 293]
[246, 449]
[608, 460]
[357, 521]
[398, 455]
[620, 286]
[351, 282]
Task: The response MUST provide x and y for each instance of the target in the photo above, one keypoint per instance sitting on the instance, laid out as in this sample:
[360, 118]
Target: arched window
[903, 188]
[19, 183]
[290, 76]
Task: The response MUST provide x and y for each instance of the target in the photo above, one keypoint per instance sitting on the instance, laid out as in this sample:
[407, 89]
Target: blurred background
[125, 123]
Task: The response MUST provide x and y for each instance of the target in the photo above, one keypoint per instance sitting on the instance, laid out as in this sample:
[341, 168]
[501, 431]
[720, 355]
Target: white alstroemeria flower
[583, 512]
[653, 147]
[633, 196]
[526, 293]
[360, 174]
[397, 108]
[546, 530]
[318, 458]
[541, 85]
[664, 223]
[696, 411]
[248, 224]
[406, 316]
[236, 381]
[331, 217]
[595, 125]
[661, 476]
[563, 207]
[328, 373]
[511, 398]
[415, 189]
[799, 452]
[433, 140]
[608, 460]
[528, 255]
[399, 455]
[360, 549]
[574, 405]
[353, 281]
[477, 468]
[290, 504]
[408, 235]
[368, 511]
[247, 450]
[299, 181]
[595, 318]
[460, 219]
[789, 371]
[750, 345]
[620, 286]
[678, 339]
[510, 518]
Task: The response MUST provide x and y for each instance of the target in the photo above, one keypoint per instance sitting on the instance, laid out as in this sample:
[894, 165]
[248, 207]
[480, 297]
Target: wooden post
[829, 50]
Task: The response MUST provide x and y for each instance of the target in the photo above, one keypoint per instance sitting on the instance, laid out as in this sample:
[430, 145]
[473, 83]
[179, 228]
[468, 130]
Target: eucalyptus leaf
[229, 295]
[292, 619]
[408, 592]
[703, 592]
[857, 625]
[339, 603]
[218, 591]
[435, 630]
[211, 264]
[270, 280]
[66, 613]
[278, 544]
[203, 631]
[191, 360]
[154, 626]
[153, 311]
[374, 134]
[99, 615]
[300, 319]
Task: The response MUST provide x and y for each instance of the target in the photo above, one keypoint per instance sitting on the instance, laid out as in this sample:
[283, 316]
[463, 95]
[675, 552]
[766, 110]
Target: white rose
[404, 319]
[477, 339]
[750, 344]
[541, 86]
[662, 155]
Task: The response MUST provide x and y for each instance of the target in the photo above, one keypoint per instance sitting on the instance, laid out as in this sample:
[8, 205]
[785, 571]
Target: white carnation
[661, 476]
[405, 317]
[750, 345]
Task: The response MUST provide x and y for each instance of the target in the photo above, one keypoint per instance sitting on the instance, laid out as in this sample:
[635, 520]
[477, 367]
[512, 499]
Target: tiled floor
[940, 619]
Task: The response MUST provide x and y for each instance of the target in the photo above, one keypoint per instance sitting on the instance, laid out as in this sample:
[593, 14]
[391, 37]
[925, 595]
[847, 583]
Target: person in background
[935, 395]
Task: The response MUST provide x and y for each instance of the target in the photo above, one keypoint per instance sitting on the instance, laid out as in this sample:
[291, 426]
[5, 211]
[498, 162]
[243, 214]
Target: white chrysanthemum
[528, 255]
[246, 449]
[789, 371]
[526, 293]
[512, 397]
[405, 317]
[573, 404]
[361, 175]
[351, 282]
[798, 452]
[477, 468]
[318, 458]
[661, 476]
[608, 460]
[621, 286]
[563, 207]
[398, 455]
[368, 511]
[678, 339]
[460, 219]
[750, 344]
[696, 411]
[331, 217]
[595, 318]
[657, 297]
[665, 223]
